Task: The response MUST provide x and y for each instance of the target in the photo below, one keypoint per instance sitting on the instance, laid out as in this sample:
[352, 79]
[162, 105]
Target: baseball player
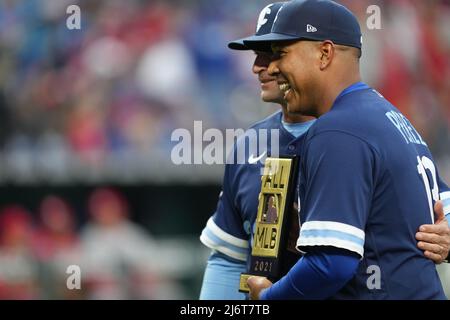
[368, 180]
[228, 232]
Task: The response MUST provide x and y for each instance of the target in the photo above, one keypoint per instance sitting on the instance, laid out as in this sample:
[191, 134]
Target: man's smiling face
[270, 91]
[295, 66]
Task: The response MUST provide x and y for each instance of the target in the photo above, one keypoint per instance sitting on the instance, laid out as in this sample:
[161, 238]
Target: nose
[258, 66]
[273, 69]
[256, 69]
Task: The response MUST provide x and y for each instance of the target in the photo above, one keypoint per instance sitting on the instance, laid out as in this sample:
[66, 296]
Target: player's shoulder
[356, 114]
[270, 122]
[250, 140]
[255, 131]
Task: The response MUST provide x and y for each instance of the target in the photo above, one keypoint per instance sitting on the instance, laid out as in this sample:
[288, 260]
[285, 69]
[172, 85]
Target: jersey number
[432, 189]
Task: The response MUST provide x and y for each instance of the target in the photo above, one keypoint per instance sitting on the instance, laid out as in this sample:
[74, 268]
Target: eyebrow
[281, 45]
[275, 47]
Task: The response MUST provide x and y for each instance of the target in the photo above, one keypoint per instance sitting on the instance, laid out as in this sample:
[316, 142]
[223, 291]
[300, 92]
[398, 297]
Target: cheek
[295, 73]
[302, 73]
[271, 87]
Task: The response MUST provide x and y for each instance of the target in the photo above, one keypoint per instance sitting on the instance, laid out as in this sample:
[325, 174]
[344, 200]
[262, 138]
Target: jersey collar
[354, 87]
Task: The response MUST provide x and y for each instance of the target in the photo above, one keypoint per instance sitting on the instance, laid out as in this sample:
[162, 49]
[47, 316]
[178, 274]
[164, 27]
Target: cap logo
[262, 20]
[310, 28]
[276, 17]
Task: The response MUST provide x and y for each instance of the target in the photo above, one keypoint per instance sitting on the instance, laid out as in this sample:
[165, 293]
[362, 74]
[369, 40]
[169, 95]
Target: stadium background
[86, 109]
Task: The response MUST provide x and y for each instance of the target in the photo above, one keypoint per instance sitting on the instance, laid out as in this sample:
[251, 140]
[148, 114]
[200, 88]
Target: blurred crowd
[407, 61]
[116, 257]
[103, 100]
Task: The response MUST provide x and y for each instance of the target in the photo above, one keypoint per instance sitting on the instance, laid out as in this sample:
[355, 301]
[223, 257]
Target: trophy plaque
[275, 222]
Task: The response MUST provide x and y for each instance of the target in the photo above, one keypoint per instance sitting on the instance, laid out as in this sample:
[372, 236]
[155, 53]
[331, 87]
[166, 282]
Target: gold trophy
[276, 222]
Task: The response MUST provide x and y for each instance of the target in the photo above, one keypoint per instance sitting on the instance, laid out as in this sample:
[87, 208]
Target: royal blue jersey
[229, 230]
[367, 182]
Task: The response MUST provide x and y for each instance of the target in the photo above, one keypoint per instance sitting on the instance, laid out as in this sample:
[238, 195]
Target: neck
[290, 117]
[331, 92]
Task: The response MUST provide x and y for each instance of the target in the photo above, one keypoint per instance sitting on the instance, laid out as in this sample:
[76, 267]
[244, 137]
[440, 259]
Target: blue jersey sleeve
[337, 187]
[224, 231]
[221, 279]
[316, 276]
[445, 198]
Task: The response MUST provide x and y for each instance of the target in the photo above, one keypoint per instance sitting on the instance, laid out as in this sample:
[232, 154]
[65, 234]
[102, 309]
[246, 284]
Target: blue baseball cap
[264, 26]
[316, 20]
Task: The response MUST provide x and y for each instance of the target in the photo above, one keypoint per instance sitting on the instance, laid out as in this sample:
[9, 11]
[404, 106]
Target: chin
[271, 98]
[267, 98]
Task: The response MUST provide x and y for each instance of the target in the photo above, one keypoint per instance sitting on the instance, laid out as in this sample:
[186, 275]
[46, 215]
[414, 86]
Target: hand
[256, 285]
[434, 239]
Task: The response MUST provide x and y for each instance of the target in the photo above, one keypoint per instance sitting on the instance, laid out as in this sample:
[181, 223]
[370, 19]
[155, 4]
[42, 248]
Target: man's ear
[327, 51]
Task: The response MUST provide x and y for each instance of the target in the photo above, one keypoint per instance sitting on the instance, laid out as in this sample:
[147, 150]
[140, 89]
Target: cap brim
[258, 42]
[238, 45]
[263, 43]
